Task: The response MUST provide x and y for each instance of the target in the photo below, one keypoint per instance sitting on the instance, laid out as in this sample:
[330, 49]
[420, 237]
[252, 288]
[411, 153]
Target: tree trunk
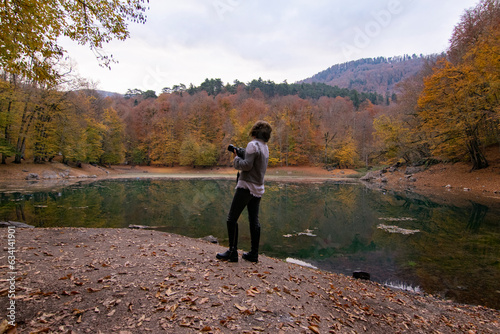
[7, 132]
[476, 155]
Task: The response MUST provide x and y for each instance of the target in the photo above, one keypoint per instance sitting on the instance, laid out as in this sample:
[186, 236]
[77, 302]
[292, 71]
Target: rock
[16, 224]
[64, 174]
[49, 175]
[211, 239]
[143, 227]
[371, 176]
[361, 275]
[138, 227]
[413, 170]
[32, 176]
[410, 178]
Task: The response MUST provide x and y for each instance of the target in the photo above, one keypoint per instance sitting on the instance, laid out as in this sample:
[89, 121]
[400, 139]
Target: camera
[240, 152]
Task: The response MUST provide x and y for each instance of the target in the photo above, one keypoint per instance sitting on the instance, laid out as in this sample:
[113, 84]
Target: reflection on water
[406, 241]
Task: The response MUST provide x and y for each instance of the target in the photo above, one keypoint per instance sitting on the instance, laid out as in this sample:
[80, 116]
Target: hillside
[378, 75]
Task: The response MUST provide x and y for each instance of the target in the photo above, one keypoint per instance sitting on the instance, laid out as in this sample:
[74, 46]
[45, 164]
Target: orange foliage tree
[460, 102]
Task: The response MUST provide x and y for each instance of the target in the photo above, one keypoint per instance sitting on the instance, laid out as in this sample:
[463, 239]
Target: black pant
[243, 198]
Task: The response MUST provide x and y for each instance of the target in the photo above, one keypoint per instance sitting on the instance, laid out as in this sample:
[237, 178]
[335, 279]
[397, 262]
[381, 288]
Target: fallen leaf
[169, 292]
[252, 291]
[68, 276]
[314, 328]
[103, 279]
[185, 323]
[5, 327]
[71, 293]
[241, 308]
[174, 307]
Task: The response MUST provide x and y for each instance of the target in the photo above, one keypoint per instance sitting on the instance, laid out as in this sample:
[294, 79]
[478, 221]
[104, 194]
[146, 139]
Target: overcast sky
[190, 40]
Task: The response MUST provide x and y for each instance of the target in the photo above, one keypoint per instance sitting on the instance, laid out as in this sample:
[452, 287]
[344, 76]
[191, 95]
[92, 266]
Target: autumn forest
[447, 111]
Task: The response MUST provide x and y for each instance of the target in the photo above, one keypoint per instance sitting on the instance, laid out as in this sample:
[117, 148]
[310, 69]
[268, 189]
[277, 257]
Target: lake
[406, 241]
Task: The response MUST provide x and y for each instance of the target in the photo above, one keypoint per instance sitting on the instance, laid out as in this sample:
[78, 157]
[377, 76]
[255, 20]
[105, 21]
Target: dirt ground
[452, 183]
[74, 280]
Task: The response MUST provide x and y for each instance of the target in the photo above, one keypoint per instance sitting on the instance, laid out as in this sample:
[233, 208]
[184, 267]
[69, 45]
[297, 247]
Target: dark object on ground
[361, 275]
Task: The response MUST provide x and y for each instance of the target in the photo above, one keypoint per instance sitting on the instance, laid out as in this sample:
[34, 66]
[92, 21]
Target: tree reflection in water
[330, 225]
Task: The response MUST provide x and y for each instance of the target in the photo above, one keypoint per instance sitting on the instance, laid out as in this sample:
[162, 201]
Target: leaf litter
[156, 282]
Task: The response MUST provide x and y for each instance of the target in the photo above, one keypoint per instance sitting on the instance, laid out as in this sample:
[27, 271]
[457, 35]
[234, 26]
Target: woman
[249, 190]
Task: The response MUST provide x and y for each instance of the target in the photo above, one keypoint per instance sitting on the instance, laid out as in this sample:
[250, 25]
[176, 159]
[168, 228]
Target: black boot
[253, 255]
[230, 255]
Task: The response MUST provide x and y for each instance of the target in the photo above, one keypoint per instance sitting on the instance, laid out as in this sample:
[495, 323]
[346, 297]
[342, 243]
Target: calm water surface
[410, 242]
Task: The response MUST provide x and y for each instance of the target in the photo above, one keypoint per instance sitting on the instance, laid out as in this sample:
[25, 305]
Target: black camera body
[240, 152]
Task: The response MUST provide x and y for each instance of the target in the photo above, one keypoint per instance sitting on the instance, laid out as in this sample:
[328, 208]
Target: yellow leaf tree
[454, 110]
[460, 101]
[30, 31]
[345, 155]
[392, 137]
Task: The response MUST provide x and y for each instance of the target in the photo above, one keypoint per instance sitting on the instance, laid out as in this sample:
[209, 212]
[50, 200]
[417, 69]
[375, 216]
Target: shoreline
[446, 184]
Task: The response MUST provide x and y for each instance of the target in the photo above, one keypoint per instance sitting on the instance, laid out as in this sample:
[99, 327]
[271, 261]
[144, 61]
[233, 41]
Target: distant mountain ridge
[379, 75]
[105, 93]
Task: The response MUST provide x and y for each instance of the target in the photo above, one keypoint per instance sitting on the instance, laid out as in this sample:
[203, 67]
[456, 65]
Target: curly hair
[261, 130]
